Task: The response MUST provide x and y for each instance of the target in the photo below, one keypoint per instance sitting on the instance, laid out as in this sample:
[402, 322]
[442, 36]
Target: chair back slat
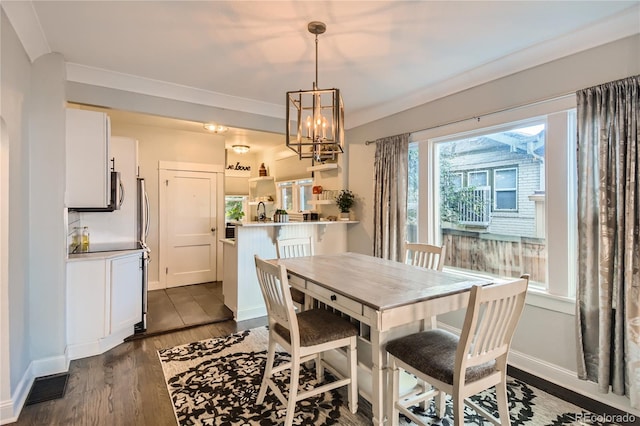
[425, 255]
[490, 322]
[294, 247]
[277, 296]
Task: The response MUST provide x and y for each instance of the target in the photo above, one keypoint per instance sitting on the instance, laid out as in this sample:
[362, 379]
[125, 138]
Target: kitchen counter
[74, 257]
[229, 241]
[309, 222]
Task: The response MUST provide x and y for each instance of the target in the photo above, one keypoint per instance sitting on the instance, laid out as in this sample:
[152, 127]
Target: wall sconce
[240, 149]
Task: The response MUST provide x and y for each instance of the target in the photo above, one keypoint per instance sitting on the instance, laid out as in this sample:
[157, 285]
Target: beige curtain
[608, 293]
[390, 196]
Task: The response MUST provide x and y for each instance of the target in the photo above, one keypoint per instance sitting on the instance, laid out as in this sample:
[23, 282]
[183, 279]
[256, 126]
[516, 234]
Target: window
[234, 207]
[295, 195]
[505, 189]
[477, 178]
[481, 191]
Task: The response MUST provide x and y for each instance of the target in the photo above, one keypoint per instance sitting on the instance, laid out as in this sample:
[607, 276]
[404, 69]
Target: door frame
[164, 166]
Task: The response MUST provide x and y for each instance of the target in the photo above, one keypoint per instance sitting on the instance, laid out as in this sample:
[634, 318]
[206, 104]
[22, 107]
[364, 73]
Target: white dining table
[387, 298]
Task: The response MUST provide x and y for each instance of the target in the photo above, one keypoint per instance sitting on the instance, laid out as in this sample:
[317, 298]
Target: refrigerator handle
[121, 194]
[146, 225]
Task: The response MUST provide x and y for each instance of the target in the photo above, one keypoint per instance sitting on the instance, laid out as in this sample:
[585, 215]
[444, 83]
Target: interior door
[190, 226]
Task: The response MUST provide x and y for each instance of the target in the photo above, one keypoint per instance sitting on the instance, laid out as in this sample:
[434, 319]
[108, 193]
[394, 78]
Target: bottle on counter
[85, 239]
[76, 238]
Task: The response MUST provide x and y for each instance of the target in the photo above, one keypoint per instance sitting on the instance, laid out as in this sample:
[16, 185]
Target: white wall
[545, 340]
[33, 98]
[14, 91]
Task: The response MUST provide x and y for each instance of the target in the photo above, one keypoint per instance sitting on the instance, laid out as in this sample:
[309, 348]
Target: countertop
[230, 241]
[308, 222]
[101, 255]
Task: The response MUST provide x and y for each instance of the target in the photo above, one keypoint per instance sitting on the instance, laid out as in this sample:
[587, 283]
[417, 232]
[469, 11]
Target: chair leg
[271, 355]
[352, 387]
[441, 403]
[319, 368]
[394, 392]
[293, 389]
[503, 402]
[458, 409]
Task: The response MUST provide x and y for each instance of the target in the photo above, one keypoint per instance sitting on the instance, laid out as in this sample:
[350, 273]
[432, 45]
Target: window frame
[496, 189]
[560, 198]
[297, 186]
[478, 172]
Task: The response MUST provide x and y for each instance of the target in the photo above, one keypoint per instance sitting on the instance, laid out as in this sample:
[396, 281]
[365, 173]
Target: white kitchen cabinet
[126, 292]
[104, 301]
[87, 154]
[86, 291]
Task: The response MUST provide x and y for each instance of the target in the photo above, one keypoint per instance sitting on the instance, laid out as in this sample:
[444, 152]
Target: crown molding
[27, 26]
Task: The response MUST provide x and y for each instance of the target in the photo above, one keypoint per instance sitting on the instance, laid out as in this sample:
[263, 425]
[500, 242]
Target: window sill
[535, 296]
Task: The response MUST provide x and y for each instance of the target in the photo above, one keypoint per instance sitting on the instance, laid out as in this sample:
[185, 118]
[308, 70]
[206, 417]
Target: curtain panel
[390, 196]
[608, 290]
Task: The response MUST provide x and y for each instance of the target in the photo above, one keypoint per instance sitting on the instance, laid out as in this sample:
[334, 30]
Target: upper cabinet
[88, 165]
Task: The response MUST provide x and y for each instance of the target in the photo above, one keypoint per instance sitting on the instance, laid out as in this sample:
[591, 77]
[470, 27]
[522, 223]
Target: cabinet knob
[213, 229]
[334, 297]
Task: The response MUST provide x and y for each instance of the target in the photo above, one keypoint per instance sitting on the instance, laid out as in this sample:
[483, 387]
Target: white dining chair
[461, 366]
[305, 335]
[295, 247]
[425, 255]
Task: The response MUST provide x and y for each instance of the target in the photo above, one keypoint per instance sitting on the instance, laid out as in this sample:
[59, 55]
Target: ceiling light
[216, 128]
[240, 149]
[315, 118]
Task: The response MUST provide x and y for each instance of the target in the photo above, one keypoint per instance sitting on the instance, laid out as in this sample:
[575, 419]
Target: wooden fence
[502, 255]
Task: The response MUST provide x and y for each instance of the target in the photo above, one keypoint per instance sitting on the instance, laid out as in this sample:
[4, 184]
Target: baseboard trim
[10, 409]
[154, 285]
[247, 314]
[582, 401]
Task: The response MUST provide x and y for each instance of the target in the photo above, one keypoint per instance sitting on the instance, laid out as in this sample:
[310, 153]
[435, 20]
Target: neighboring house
[497, 179]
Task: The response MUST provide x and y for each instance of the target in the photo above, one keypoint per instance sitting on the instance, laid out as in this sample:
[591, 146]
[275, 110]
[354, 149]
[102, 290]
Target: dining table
[385, 298]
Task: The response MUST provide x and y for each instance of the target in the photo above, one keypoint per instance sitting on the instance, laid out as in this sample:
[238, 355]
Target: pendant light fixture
[315, 118]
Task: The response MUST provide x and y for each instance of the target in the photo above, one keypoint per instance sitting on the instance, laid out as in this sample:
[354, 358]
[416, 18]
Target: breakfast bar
[240, 284]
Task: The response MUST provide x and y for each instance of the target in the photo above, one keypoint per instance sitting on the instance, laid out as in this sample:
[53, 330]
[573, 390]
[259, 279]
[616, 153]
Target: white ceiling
[384, 56]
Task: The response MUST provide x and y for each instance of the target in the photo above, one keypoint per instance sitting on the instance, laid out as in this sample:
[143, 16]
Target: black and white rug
[216, 382]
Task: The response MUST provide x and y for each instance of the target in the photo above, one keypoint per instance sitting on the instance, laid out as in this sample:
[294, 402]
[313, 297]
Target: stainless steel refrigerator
[142, 233]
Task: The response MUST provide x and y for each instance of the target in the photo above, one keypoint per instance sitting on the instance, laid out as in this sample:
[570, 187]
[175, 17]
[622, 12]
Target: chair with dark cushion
[461, 366]
[305, 336]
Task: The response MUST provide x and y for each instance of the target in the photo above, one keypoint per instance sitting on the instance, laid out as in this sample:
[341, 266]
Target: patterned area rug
[216, 382]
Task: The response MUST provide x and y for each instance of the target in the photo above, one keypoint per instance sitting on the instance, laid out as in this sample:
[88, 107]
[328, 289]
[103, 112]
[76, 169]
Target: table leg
[378, 375]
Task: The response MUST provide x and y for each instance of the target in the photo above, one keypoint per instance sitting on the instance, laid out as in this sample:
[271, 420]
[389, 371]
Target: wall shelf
[257, 179]
[321, 202]
[321, 167]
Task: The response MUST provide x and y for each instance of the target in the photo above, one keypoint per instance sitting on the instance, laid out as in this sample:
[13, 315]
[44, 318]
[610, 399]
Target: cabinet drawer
[295, 281]
[335, 299]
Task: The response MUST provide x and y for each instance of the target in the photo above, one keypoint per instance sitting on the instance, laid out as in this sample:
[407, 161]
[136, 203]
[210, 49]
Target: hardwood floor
[124, 386]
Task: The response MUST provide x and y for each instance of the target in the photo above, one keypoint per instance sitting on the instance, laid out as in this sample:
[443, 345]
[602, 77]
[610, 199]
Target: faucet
[261, 216]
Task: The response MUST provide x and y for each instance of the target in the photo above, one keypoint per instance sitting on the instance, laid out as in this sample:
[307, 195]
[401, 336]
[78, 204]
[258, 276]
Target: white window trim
[561, 259]
[496, 190]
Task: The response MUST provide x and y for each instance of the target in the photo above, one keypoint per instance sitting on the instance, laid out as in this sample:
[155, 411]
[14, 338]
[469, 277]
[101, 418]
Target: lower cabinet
[104, 301]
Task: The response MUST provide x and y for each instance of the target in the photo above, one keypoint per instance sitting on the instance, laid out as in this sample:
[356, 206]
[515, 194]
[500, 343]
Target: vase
[344, 215]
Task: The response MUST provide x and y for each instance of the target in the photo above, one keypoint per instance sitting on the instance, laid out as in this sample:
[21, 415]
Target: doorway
[189, 220]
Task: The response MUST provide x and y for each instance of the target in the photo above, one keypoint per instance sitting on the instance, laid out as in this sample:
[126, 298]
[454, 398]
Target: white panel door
[189, 225]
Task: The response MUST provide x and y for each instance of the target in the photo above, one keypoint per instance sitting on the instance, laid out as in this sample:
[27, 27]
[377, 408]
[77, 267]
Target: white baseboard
[10, 409]
[154, 285]
[97, 347]
[561, 376]
[247, 314]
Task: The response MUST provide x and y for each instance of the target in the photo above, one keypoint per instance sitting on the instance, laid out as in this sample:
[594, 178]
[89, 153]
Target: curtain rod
[478, 117]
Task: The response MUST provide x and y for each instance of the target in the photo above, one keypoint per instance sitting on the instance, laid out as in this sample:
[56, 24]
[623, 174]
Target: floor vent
[47, 388]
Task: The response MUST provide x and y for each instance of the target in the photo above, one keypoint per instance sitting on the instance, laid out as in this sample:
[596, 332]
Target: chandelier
[315, 118]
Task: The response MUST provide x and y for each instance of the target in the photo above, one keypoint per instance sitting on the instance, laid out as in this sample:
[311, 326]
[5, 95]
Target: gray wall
[541, 332]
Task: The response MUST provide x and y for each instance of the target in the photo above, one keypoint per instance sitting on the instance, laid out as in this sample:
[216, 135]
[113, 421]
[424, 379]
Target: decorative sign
[237, 170]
